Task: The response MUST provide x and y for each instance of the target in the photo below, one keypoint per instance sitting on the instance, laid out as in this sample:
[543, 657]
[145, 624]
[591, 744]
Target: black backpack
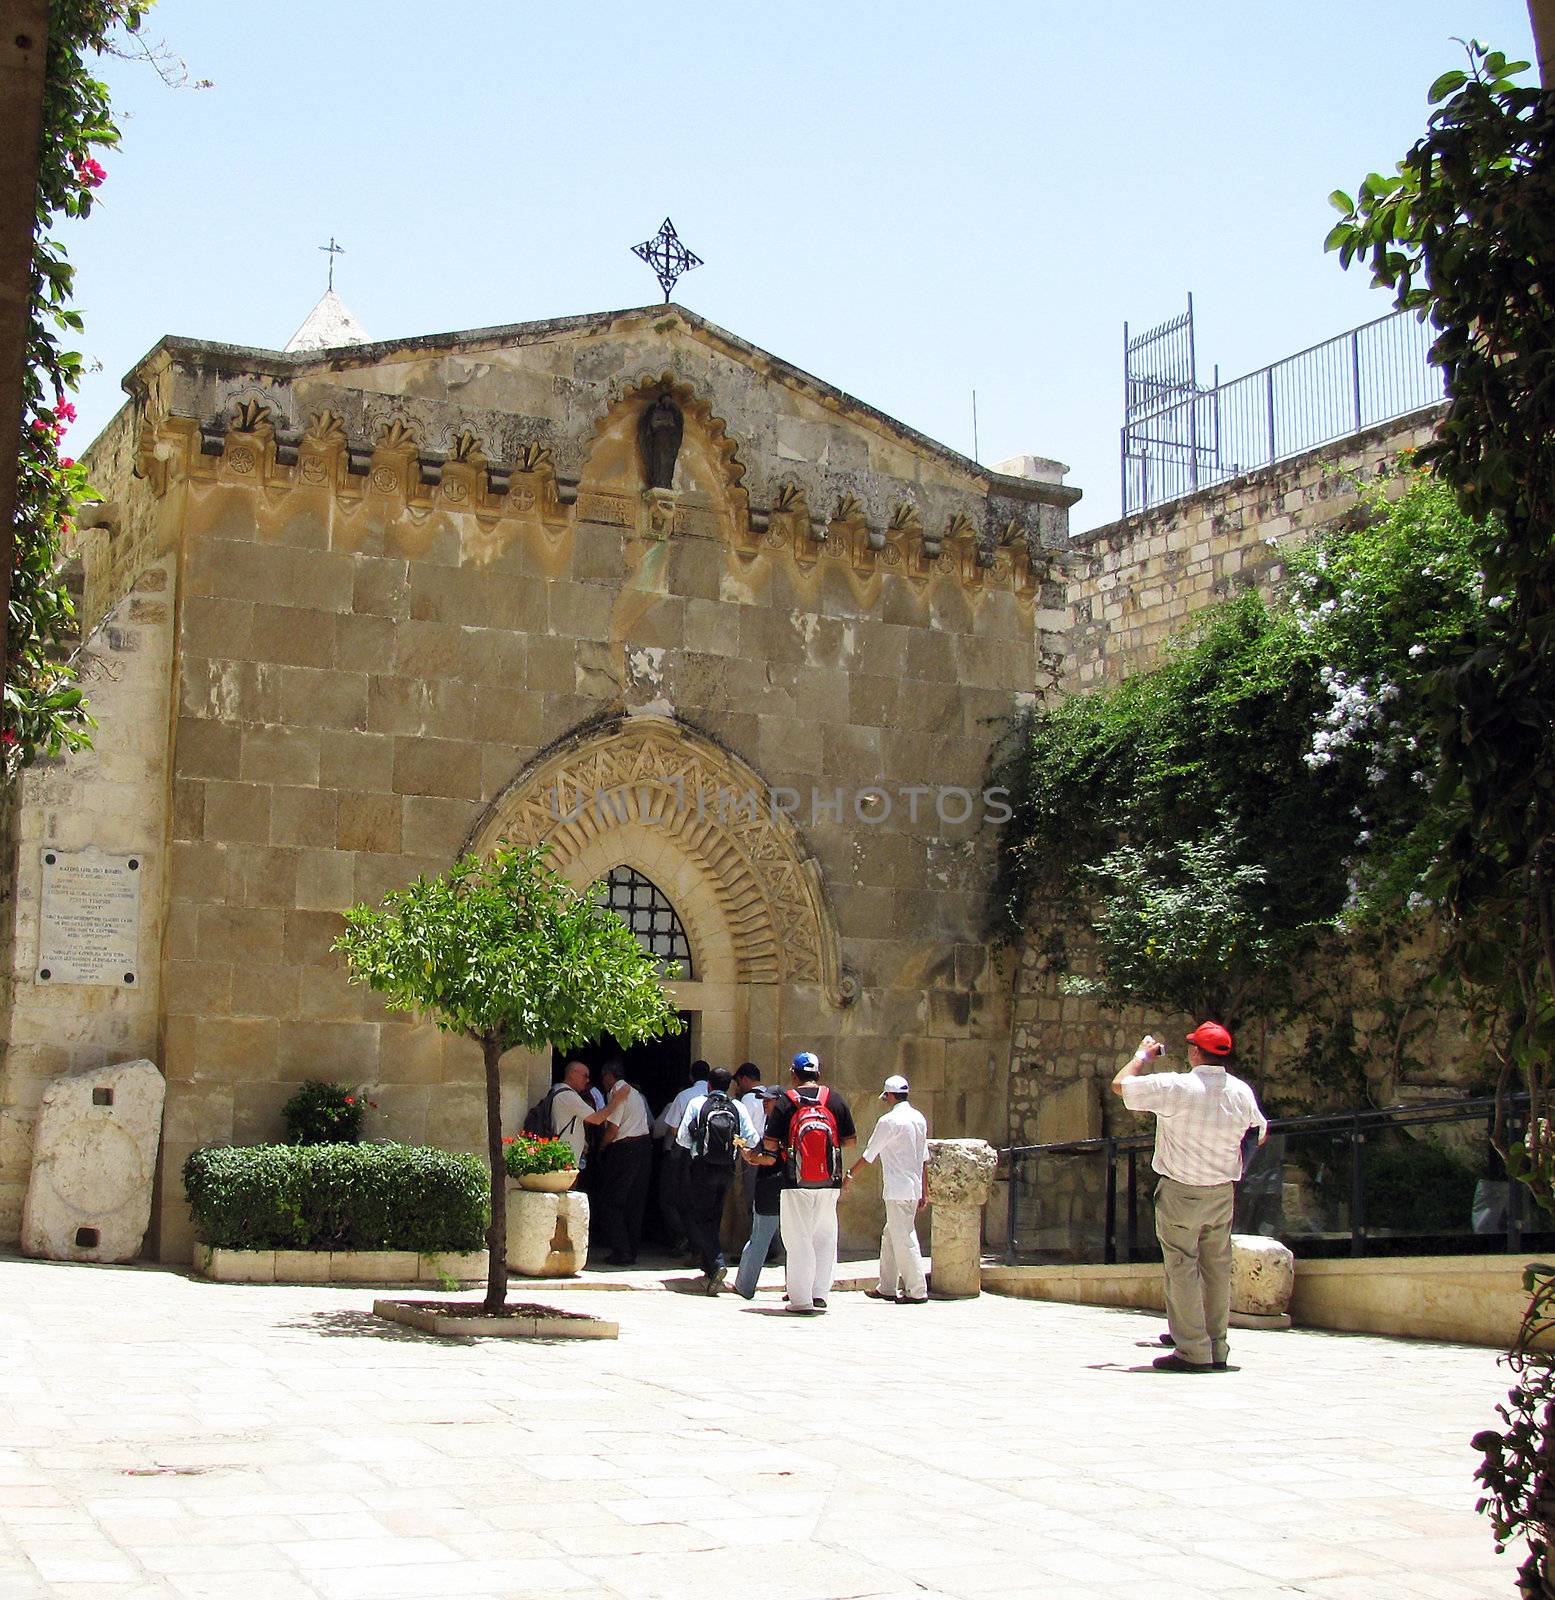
[541, 1121]
[714, 1131]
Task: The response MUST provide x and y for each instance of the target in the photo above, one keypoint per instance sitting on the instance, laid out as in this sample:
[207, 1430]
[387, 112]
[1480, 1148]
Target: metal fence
[1196, 438]
[1423, 1179]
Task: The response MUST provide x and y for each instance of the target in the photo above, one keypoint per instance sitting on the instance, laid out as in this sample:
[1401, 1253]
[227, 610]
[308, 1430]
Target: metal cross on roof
[332, 250]
[668, 257]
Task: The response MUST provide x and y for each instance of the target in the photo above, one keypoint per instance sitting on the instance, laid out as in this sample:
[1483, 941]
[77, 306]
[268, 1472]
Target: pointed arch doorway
[654, 796]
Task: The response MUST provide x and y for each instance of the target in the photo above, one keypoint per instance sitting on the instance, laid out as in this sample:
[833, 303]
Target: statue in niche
[658, 438]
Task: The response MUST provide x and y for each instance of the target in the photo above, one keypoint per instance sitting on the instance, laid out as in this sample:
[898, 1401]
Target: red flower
[7, 737]
[350, 1100]
[67, 461]
[508, 1139]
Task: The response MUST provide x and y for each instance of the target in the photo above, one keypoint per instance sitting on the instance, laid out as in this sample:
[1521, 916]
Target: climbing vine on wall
[43, 711]
[1267, 788]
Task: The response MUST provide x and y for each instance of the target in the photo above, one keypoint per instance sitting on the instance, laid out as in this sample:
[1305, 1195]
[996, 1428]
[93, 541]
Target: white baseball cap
[895, 1084]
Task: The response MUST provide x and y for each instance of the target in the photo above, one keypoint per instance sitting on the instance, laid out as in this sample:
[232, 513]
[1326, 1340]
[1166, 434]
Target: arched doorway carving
[647, 790]
[650, 793]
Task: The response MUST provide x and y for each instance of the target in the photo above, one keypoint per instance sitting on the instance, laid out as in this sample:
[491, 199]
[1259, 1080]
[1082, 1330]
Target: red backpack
[814, 1153]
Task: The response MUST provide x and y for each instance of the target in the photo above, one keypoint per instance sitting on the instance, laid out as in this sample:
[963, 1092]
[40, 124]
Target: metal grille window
[641, 905]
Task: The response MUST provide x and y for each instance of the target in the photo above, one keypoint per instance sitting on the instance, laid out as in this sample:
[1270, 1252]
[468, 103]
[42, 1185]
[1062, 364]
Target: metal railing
[1348, 1183]
[1198, 439]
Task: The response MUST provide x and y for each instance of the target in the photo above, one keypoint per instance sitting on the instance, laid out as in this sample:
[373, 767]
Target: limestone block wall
[1146, 575]
[114, 797]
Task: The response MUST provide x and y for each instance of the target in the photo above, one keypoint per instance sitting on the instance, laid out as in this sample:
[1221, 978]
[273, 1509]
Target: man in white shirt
[571, 1110]
[1201, 1117]
[625, 1161]
[900, 1143]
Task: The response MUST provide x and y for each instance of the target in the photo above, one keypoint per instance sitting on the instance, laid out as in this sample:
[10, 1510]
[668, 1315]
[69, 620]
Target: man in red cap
[1201, 1116]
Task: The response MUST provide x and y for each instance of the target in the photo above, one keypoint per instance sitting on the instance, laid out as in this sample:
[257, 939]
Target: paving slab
[171, 1438]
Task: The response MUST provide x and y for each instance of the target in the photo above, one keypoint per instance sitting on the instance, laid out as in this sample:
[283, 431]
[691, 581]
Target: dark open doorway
[661, 1068]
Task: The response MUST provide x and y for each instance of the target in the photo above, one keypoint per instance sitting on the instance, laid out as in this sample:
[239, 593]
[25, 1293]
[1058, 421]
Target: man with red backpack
[809, 1127]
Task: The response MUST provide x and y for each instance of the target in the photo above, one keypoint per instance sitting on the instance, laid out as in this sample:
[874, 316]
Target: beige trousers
[1193, 1224]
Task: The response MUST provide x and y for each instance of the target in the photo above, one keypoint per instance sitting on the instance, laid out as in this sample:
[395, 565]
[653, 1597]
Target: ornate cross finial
[668, 257]
[332, 250]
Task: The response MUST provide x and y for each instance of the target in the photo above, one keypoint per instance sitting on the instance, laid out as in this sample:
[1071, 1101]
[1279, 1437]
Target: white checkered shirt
[1200, 1119]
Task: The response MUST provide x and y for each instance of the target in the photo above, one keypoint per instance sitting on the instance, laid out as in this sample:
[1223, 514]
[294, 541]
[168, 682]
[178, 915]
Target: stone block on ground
[94, 1159]
[1263, 1276]
[548, 1234]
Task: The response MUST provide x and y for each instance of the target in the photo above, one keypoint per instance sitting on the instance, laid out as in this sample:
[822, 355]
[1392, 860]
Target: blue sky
[911, 201]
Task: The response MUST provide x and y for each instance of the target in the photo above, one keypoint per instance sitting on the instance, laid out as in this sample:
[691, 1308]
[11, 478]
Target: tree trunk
[497, 1233]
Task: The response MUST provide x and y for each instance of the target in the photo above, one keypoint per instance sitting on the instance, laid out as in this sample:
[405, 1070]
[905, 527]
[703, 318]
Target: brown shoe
[1175, 1363]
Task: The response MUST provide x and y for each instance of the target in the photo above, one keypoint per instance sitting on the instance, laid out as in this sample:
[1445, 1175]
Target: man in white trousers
[900, 1143]
[807, 1129]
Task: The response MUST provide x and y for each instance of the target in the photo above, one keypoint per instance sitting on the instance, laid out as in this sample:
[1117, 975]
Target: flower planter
[548, 1234]
[453, 1321]
[549, 1182]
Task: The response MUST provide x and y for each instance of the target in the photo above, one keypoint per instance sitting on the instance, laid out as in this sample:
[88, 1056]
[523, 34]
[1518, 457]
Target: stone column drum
[959, 1178]
[548, 1234]
[1263, 1277]
[94, 1158]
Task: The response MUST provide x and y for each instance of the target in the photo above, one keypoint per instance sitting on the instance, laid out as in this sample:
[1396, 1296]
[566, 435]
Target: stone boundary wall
[1146, 575]
[113, 796]
[1469, 1299]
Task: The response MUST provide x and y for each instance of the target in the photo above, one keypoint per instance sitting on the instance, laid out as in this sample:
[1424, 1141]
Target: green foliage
[43, 712]
[527, 1153]
[1514, 1469]
[507, 948]
[336, 1197]
[324, 1113]
[1217, 820]
[1173, 924]
[1417, 1187]
[1464, 233]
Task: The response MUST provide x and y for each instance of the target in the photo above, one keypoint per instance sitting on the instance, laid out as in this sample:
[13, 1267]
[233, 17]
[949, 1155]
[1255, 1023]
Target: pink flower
[90, 172]
[67, 461]
[64, 410]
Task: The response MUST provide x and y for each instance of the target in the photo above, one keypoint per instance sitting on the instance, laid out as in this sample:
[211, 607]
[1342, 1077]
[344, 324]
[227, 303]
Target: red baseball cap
[1211, 1038]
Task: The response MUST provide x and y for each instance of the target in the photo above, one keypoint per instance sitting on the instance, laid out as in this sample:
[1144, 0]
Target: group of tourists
[784, 1147]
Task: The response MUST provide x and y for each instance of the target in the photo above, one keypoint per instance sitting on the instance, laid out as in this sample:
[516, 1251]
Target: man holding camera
[1201, 1116]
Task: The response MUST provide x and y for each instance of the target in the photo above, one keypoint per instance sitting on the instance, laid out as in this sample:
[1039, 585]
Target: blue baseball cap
[807, 1062]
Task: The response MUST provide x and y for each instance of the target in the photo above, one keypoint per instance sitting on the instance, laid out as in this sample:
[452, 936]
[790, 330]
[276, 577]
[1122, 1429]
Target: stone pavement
[165, 1437]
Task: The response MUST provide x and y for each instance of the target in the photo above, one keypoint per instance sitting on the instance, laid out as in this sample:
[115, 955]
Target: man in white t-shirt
[571, 1109]
[625, 1162]
[1200, 1119]
[900, 1143]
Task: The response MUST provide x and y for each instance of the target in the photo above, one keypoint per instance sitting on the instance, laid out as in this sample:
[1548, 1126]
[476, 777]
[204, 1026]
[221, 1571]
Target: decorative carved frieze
[646, 772]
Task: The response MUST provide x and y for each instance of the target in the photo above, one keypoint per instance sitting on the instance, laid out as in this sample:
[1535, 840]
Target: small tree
[507, 953]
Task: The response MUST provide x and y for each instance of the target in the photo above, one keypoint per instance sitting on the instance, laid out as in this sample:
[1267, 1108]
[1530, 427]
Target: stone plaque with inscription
[89, 922]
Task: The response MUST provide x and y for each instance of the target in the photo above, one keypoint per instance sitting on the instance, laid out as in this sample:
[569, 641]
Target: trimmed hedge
[1416, 1187]
[337, 1197]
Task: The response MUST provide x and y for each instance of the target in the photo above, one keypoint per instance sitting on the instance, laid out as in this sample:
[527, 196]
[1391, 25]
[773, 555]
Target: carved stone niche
[659, 433]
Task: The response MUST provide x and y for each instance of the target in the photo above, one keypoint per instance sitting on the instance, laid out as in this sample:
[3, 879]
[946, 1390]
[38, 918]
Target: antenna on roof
[332, 250]
[975, 456]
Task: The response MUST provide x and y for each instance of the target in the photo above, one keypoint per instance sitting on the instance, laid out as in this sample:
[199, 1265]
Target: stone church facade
[349, 613]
